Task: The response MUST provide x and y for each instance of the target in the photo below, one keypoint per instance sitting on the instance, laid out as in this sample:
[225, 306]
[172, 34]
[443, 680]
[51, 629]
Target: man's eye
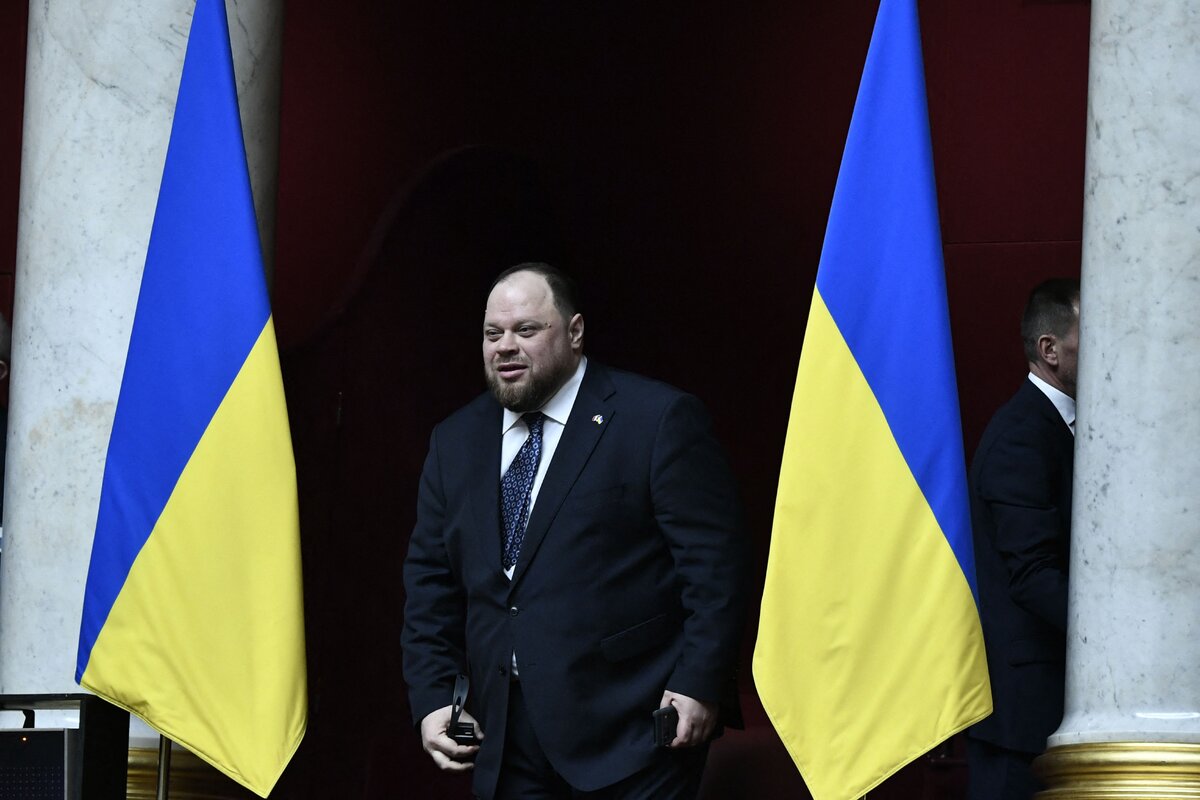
[491, 335]
[527, 330]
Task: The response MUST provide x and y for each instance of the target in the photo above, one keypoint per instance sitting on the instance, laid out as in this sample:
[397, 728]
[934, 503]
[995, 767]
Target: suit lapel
[588, 421]
[1046, 408]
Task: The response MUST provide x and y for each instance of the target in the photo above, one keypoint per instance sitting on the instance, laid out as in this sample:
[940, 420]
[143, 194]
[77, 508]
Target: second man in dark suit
[1021, 515]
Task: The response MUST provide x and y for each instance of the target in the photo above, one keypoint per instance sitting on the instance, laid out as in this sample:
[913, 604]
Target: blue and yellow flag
[869, 647]
[193, 616]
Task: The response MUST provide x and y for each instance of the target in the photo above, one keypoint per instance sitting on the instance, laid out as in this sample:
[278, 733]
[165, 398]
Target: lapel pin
[598, 419]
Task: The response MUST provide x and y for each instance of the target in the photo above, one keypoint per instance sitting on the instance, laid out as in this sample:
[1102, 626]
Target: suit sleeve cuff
[425, 701]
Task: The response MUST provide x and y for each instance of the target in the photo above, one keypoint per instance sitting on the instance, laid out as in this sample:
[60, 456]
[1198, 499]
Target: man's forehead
[521, 294]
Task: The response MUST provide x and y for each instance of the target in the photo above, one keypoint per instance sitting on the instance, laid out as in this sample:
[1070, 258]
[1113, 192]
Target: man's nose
[507, 343]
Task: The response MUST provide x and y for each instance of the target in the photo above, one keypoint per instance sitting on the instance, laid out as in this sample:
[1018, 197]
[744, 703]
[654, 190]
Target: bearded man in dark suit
[1021, 516]
[578, 553]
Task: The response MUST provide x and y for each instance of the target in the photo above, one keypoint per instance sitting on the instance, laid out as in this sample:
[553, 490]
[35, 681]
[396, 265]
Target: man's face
[1068, 357]
[529, 350]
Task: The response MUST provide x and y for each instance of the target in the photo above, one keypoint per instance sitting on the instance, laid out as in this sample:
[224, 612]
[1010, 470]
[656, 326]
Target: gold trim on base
[191, 778]
[1120, 771]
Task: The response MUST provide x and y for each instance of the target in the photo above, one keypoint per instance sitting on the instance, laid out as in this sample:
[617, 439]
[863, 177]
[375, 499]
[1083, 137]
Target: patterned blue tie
[516, 487]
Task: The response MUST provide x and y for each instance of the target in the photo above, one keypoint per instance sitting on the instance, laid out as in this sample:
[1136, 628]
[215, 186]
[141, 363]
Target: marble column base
[1120, 771]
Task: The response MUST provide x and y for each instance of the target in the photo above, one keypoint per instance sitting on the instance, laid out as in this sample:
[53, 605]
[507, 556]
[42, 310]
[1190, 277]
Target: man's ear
[575, 331]
[1047, 347]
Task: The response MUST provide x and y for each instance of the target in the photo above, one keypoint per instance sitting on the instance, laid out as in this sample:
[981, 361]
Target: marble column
[101, 81]
[1132, 721]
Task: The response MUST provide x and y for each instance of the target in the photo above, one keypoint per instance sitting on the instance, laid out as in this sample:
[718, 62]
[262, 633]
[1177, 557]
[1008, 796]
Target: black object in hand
[666, 719]
[462, 733]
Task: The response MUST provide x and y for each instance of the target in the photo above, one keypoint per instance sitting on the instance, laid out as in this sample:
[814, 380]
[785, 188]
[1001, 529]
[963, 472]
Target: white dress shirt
[1063, 402]
[514, 432]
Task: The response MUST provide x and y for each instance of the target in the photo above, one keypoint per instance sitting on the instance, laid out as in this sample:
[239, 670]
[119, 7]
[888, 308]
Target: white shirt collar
[558, 407]
[1063, 402]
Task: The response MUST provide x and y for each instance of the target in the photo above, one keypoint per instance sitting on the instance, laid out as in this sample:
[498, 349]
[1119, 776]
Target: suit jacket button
[512, 612]
[503, 671]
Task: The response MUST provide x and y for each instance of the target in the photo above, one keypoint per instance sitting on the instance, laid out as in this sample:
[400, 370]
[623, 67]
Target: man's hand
[446, 753]
[696, 719]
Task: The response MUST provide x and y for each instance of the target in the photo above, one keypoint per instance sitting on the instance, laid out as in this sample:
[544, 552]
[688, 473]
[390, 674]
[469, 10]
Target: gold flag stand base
[1120, 771]
[191, 778]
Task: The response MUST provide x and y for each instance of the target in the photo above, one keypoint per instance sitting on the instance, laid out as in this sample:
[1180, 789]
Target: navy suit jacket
[1021, 516]
[630, 580]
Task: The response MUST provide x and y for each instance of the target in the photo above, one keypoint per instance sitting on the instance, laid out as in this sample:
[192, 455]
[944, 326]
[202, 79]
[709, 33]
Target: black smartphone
[666, 719]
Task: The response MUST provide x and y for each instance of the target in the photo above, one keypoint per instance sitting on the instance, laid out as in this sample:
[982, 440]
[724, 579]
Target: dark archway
[398, 352]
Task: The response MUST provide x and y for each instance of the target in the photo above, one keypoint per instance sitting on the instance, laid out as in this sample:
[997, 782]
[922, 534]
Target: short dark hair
[562, 286]
[1053, 307]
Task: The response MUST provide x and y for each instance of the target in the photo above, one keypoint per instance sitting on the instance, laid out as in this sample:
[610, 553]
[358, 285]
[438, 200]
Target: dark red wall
[12, 103]
[687, 159]
[692, 156]
[681, 159]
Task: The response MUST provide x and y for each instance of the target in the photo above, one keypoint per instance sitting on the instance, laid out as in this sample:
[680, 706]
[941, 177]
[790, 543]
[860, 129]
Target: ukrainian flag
[869, 649]
[193, 617]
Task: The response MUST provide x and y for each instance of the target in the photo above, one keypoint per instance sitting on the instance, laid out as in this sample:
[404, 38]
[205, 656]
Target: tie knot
[534, 420]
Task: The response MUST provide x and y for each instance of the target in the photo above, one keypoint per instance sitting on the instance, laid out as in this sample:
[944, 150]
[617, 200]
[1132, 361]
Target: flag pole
[164, 767]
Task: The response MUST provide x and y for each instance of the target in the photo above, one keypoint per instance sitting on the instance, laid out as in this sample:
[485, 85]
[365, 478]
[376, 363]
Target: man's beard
[528, 396]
